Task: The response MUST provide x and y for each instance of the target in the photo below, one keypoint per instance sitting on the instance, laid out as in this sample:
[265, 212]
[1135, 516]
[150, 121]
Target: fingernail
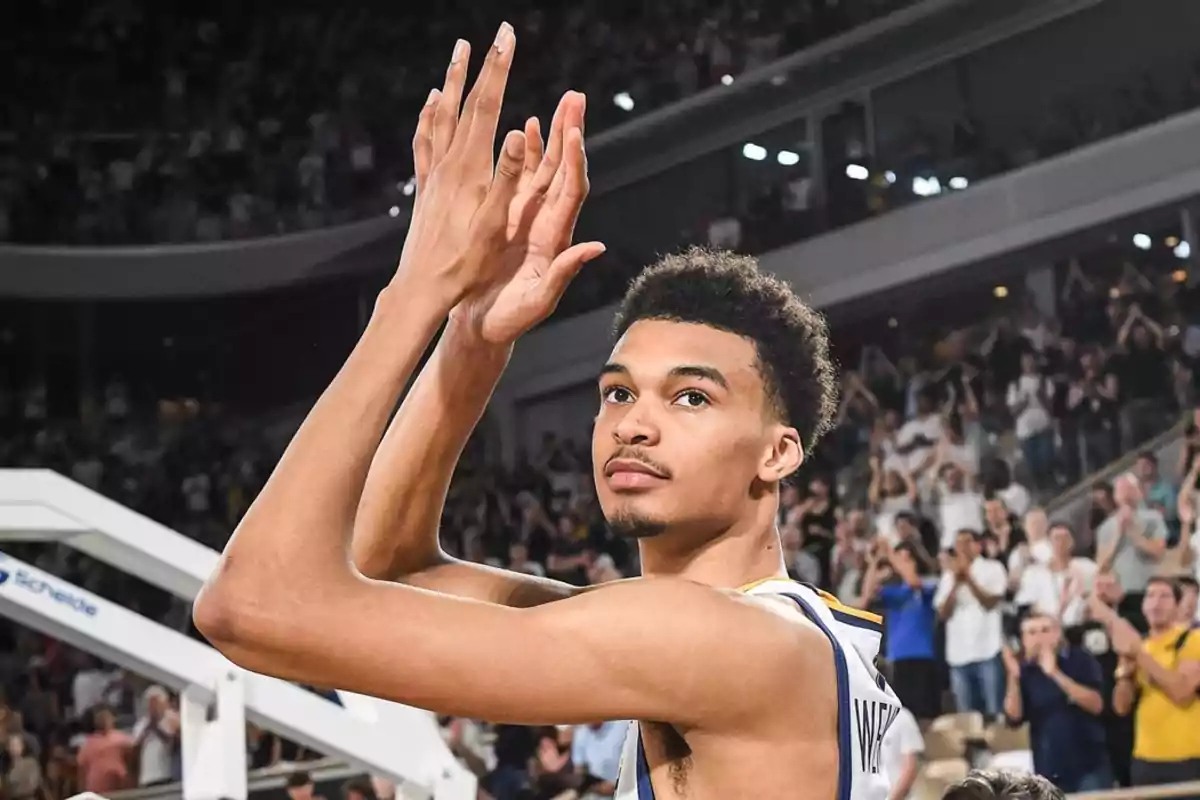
[512, 145]
[504, 37]
[433, 95]
[460, 50]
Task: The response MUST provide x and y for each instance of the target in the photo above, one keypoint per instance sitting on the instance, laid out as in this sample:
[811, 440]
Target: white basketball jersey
[866, 704]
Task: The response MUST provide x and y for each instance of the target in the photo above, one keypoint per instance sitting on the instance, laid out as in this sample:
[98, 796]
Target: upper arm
[489, 584]
[661, 649]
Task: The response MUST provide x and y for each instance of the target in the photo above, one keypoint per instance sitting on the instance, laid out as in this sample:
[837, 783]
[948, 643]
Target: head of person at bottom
[720, 382]
[1001, 785]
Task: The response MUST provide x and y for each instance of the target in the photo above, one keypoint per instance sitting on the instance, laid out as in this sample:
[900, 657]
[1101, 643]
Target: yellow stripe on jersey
[837, 605]
[761, 581]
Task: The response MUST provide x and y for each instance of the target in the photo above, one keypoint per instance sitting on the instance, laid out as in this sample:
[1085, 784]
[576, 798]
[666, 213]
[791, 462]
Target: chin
[629, 523]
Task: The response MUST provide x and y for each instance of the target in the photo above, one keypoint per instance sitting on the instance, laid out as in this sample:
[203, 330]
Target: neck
[1157, 630]
[1059, 563]
[745, 552]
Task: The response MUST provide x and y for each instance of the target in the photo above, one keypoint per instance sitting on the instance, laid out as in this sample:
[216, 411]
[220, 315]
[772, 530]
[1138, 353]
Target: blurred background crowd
[1012, 481]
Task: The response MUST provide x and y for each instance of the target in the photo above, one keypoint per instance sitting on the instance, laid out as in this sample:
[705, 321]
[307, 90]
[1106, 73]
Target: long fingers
[481, 113]
[563, 269]
[423, 141]
[445, 121]
[570, 187]
[566, 111]
[492, 218]
[534, 149]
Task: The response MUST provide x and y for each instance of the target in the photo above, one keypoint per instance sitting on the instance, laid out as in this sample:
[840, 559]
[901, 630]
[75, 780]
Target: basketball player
[746, 685]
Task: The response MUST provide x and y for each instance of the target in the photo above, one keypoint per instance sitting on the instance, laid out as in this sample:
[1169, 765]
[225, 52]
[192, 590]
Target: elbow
[214, 613]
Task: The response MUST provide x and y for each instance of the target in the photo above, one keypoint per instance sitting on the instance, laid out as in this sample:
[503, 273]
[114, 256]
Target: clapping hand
[1047, 659]
[530, 262]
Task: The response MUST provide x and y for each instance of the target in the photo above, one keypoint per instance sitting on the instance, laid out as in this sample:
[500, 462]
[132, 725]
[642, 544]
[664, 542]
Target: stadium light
[410, 187]
[787, 158]
[857, 172]
[726, 80]
[754, 152]
[890, 177]
[394, 211]
[1000, 292]
[623, 101]
[1183, 250]
[959, 182]
[926, 187]
[1141, 241]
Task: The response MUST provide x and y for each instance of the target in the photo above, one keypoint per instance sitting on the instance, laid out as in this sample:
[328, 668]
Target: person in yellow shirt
[1157, 680]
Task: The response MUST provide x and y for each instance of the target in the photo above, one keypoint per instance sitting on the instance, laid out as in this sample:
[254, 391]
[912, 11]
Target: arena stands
[221, 123]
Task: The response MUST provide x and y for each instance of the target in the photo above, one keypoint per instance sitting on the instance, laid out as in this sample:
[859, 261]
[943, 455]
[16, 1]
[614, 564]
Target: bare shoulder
[719, 641]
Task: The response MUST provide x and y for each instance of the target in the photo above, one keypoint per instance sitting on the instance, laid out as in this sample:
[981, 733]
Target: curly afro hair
[727, 291]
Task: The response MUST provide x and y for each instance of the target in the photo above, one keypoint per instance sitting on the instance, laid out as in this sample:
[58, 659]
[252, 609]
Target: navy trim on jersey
[645, 789]
[855, 621]
[845, 744]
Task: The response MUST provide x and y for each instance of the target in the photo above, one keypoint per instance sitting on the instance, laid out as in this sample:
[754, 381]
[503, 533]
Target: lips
[630, 465]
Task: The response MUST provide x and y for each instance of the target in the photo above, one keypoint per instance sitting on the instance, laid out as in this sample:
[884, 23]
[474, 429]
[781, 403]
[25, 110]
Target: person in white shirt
[1029, 399]
[968, 600]
[1037, 535]
[959, 503]
[917, 439]
[902, 749]
[891, 492]
[596, 754]
[156, 735]
[1058, 589]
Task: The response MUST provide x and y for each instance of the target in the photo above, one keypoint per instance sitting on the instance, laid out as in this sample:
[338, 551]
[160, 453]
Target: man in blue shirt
[1056, 689]
[894, 585]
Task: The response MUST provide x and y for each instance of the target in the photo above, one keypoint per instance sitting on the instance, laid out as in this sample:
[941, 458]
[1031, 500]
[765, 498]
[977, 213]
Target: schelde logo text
[32, 583]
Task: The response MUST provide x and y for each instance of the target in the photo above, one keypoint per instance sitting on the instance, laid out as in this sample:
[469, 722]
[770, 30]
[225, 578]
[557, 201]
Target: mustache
[638, 455]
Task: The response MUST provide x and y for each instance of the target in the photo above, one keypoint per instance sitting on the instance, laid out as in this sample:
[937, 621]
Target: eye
[618, 395]
[692, 399]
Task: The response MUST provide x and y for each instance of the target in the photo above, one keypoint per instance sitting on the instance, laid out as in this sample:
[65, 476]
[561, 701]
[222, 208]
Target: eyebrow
[682, 371]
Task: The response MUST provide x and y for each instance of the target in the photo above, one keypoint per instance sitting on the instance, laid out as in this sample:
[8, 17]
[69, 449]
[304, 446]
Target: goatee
[633, 526]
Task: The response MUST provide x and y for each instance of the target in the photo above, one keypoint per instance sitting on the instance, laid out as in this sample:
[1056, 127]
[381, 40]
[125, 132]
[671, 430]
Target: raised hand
[536, 262]
[460, 217]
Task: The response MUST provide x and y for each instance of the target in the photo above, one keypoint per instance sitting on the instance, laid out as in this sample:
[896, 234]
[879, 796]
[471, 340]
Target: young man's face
[686, 436]
[1038, 633]
[1159, 606]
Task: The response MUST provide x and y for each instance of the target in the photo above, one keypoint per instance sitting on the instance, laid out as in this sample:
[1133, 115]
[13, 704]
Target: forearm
[300, 524]
[1085, 697]
[986, 600]
[1155, 548]
[902, 784]
[1123, 696]
[946, 609]
[396, 528]
[1172, 682]
[1013, 708]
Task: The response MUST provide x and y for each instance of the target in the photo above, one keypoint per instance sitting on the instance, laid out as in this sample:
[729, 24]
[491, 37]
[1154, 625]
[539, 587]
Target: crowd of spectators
[925, 502]
[130, 122]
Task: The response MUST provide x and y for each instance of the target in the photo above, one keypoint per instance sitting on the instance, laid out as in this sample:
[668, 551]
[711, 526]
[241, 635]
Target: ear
[784, 456]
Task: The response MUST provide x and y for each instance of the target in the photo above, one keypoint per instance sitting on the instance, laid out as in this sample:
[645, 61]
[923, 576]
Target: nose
[636, 427]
